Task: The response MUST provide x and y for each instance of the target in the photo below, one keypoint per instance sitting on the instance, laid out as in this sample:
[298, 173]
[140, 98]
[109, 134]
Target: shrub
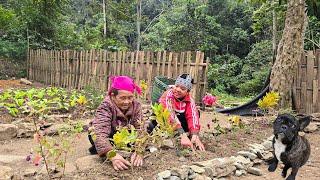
[10, 68]
[230, 74]
[255, 85]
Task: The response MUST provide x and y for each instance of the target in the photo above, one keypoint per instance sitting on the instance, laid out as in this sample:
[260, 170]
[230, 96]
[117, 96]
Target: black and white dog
[290, 148]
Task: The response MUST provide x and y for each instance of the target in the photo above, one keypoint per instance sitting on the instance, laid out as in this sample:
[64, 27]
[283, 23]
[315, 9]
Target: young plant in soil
[236, 123]
[137, 140]
[38, 103]
[144, 86]
[46, 100]
[55, 151]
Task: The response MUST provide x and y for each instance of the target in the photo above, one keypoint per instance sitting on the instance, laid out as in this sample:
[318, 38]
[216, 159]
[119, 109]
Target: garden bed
[220, 137]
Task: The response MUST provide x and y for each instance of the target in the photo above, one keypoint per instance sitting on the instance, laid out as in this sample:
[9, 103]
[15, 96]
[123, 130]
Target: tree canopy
[235, 35]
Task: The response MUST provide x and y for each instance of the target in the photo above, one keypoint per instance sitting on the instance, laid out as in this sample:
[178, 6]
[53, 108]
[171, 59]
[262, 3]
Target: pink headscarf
[124, 83]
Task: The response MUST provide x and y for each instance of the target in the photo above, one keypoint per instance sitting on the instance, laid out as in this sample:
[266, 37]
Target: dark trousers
[181, 117]
[93, 149]
[183, 121]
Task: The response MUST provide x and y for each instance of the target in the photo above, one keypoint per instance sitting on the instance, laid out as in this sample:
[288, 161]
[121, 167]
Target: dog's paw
[284, 173]
[272, 167]
[283, 157]
[291, 177]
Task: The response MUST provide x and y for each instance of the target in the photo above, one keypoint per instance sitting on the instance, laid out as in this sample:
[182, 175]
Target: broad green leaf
[82, 100]
[111, 154]
[19, 102]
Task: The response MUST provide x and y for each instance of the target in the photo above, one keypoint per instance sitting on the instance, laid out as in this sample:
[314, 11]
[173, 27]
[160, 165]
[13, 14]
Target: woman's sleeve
[102, 128]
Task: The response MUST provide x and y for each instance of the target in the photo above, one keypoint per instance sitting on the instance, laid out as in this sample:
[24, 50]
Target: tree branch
[315, 43]
[119, 11]
[156, 17]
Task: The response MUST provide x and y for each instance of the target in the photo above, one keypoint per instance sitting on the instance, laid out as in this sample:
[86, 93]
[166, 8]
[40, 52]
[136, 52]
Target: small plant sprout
[82, 100]
[137, 140]
[54, 151]
[144, 86]
[125, 138]
[44, 101]
[269, 101]
[162, 118]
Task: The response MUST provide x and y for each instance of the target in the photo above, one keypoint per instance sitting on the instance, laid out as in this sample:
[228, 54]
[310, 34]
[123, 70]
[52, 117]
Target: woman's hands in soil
[196, 140]
[119, 163]
[185, 141]
[136, 159]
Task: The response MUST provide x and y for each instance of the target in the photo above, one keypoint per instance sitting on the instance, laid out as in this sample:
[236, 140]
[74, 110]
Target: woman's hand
[119, 163]
[185, 141]
[196, 140]
[136, 159]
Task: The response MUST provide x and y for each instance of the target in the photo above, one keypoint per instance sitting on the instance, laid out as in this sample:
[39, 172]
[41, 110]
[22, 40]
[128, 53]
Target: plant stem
[64, 163]
[41, 148]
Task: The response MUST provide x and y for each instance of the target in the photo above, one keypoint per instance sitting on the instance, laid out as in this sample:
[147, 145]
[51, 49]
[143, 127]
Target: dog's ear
[304, 122]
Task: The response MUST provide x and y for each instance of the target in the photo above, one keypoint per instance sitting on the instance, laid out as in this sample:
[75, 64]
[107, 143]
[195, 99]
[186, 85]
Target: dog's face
[287, 126]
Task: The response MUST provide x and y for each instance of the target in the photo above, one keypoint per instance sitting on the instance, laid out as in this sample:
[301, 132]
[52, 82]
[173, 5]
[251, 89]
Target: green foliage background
[235, 35]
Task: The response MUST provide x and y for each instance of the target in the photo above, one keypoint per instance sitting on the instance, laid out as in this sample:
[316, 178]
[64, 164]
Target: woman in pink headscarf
[118, 109]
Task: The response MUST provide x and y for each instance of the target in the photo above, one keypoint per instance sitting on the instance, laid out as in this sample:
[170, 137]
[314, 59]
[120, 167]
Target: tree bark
[138, 24]
[289, 53]
[104, 19]
[274, 32]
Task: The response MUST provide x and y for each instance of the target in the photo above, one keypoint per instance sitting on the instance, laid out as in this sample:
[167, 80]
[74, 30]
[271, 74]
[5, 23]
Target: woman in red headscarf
[118, 109]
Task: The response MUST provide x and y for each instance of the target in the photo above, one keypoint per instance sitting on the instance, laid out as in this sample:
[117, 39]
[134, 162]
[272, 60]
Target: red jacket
[187, 106]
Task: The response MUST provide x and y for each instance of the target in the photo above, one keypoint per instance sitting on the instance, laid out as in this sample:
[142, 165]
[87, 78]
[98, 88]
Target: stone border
[237, 166]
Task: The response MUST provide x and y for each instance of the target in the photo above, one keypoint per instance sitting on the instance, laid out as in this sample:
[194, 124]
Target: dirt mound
[7, 84]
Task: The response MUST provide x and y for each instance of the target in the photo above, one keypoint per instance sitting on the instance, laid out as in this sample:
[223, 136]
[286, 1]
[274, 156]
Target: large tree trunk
[289, 52]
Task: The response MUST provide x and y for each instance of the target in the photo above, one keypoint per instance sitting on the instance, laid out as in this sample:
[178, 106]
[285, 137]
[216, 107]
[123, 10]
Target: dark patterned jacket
[108, 118]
